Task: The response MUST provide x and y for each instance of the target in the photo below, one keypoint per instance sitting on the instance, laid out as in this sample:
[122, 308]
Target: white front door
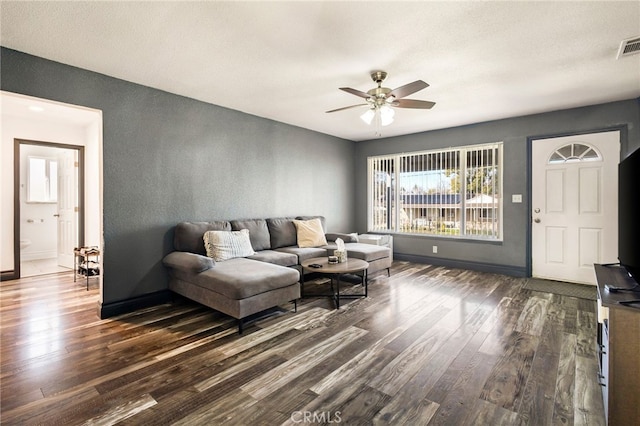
[574, 205]
[67, 206]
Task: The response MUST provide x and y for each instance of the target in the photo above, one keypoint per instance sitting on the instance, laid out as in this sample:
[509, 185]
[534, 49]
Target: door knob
[536, 220]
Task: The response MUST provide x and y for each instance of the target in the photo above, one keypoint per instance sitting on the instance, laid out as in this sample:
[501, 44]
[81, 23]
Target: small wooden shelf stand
[86, 262]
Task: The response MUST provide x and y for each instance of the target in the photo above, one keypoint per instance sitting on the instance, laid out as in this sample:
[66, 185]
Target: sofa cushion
[322, 220]
[258, 232]
[241, 278]
[282, 231]
[347, 238]
[310, 233]
[188, 262]
[188, 235]
[304, 253]
[275, 257]
[225, 245]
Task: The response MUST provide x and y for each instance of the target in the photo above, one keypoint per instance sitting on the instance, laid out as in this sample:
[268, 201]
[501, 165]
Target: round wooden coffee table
[336, 271]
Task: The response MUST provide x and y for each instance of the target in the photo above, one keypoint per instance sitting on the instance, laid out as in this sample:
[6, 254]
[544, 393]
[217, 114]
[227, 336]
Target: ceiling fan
[381, 99]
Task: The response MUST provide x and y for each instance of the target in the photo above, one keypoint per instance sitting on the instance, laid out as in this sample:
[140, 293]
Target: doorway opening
[49, 206]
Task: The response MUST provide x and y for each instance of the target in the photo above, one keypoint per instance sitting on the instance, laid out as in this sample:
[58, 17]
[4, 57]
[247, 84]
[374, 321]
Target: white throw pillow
[310, 233]
[225, 245]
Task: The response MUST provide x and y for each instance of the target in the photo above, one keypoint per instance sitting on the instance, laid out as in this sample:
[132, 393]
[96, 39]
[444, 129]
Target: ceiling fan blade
[347, 107]
[408, 89]
[356, 92]
[413, 103]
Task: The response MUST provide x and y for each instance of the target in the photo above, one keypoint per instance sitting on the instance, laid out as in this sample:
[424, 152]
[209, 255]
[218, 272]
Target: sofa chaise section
[238, 287]
[378, 257]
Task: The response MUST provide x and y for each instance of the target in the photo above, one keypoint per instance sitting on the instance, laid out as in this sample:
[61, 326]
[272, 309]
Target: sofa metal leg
[240, 325]
[295, 305]
[388, 272]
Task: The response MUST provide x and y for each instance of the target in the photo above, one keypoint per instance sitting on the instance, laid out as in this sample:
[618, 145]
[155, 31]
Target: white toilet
[24, 244]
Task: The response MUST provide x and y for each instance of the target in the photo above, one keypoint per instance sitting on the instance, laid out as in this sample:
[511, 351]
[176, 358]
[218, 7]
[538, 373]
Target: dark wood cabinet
[618, 346]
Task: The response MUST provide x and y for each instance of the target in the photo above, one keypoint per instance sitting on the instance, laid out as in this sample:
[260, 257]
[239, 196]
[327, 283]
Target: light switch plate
[516, 198]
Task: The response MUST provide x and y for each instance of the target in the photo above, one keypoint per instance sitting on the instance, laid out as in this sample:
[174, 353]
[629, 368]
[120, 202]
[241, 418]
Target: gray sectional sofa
[244, 286]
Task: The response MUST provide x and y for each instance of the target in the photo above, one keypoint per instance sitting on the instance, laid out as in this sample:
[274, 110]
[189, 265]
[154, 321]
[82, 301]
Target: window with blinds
[452, 192]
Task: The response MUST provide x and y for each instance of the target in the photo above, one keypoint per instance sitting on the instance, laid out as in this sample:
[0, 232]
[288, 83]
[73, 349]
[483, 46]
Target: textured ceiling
[286, 60]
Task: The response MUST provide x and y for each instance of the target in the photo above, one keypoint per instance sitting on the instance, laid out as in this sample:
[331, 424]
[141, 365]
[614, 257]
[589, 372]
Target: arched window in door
[574, 152]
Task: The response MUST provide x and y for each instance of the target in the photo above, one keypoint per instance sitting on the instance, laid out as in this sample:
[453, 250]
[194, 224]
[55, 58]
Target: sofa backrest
[282, 232]
[258, 232]
[189, 235]
[265, 234]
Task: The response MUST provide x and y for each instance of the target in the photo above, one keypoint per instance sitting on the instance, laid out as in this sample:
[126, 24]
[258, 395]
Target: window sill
[466, 239]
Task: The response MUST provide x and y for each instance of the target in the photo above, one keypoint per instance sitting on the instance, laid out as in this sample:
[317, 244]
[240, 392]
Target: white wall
[6, 202]
[46, 129]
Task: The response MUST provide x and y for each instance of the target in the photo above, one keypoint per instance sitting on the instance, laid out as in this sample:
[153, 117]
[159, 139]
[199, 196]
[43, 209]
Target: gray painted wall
[169, 158]
[512, 253]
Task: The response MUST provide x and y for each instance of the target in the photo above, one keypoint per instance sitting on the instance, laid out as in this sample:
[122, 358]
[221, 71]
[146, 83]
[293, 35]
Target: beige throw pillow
[310, 233]
[225, 245]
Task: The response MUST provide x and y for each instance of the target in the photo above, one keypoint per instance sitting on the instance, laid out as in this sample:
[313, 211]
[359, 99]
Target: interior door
[575, 205]
[67, 206]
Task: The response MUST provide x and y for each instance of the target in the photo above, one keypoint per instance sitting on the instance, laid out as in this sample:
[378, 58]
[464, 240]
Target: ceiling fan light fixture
[383, 114]
[386, 115]
[368, 115]
[381, 100]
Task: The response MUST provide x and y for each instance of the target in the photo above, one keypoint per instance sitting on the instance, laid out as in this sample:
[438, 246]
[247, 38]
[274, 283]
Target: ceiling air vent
[629, 47]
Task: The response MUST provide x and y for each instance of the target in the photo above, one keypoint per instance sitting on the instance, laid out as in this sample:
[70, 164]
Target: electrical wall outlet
[435, 249]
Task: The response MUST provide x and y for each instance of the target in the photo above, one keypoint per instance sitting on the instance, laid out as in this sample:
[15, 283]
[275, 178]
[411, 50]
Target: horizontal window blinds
[382, 200]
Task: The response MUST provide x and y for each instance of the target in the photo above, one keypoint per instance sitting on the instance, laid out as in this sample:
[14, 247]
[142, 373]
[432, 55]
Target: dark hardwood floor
[430, 345]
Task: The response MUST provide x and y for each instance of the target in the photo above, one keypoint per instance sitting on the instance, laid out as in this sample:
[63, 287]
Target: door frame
[17, 143]
[624, 143]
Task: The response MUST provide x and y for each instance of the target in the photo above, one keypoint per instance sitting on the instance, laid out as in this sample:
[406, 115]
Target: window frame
[461, 152]
[49, 183]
